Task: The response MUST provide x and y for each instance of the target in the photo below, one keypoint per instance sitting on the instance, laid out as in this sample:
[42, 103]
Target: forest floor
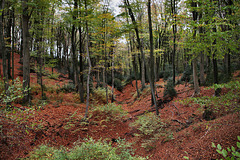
[57, 122]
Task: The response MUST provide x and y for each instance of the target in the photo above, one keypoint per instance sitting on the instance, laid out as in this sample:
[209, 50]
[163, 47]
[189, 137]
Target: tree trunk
[13, 40]
[3, 49]
[105, 63]
[138, 41]
[81, 92]
[215, 75]
[151, 61]
[112, 76]
[26, 52]
[202, 79]
[174, 40]
[89, 63]
[194, 62]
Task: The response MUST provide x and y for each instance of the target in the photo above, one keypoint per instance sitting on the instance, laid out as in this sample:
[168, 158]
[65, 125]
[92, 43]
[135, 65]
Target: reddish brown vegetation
[59, 123]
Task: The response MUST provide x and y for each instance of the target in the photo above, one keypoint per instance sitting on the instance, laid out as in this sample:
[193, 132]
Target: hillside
[57, 121]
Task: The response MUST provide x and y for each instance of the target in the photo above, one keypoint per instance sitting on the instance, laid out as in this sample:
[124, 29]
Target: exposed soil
[59, 122]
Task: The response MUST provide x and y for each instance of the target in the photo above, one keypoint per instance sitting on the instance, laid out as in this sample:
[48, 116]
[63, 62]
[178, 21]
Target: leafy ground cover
[180, 131]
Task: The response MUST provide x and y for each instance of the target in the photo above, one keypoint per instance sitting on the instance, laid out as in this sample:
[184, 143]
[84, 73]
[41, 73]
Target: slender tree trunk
[134, 62]
[215, 75]
[13, 40]
[75, 61]
[194, 62]
[140, 47]
[113, 77]
[151, 61]
[105, 63]
[174, 40]
[202, 79]
[89, 63]
[81, 92]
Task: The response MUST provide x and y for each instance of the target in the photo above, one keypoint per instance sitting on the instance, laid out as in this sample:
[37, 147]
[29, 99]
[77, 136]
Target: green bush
[111, 109]
[67, 88]
[169, 89]
[100, 93]
[234, 153]
[88, 150]
[118, 84]
[186, 76]
[226, 102]
[14, 92]
[45, 152]
[148, 124]
[54, 76]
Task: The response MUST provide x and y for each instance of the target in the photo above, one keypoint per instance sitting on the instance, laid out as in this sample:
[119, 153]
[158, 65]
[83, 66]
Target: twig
[206, 132]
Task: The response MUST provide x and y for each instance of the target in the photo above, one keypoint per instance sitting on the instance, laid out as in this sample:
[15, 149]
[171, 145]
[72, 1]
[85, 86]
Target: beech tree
[26, 47]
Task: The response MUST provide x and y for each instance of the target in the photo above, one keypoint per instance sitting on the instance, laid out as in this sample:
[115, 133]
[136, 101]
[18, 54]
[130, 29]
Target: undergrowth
[150, 128]
[231, 153]
[88, 150]
[111, 110]
[14, 93]
[100, 94]
[228, 102]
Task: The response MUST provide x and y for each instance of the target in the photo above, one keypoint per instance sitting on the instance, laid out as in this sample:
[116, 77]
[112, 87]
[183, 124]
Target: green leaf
[219, 147]
[224, 152]
[238, 138]
[219, 151]
[233, 149]
[238, 144]
[213, 145]
[185, 157]
[237, 154]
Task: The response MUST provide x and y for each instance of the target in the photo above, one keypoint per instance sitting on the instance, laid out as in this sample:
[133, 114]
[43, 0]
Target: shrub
[100, 93]
[54, 76]
[169, 89]
[14, 92]
[45, 152]
[224, 103]
[186, 76]
[148, 124]
[112, 110]
[89, 150]
[67, 88]
[118, 84]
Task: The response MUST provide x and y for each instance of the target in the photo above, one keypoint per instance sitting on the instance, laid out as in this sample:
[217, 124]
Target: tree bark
[194, 62]
[174, 40]
[130, 12]
[26, 52]
[112, 76]
[13, 39]
[3, 48]
[151, 61]
[81, 92]
[89, 62]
